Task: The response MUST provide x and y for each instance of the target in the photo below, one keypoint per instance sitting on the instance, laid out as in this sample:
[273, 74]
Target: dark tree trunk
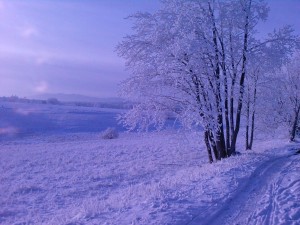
[253, 114]
[233, 81]
[214, 147]
[220, 140]
[252, 130]
[208, 147]
[242, 83]
[248, 121]
[227, 126]
[295, 124]
[226, 105]
[251, 108]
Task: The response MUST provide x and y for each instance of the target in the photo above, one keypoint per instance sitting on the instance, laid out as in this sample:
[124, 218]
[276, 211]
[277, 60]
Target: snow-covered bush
[110, 133]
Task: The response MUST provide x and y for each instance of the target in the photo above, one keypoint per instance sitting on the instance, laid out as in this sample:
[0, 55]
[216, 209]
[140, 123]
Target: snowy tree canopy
[192, 58]
[283, 97]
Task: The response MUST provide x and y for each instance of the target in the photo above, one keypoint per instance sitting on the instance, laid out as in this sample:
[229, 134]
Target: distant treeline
[54, 101]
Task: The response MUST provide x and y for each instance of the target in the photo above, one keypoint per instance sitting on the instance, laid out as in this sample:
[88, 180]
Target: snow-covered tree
[192, 58]
[286, 97]
[292, 90]
[250, 105]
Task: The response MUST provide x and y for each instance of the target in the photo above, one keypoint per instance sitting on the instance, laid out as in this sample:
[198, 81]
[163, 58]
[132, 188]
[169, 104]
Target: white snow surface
[149, 178]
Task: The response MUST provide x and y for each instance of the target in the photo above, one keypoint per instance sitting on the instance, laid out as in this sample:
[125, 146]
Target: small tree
[293, 90]
[282, 98]
[290, 100]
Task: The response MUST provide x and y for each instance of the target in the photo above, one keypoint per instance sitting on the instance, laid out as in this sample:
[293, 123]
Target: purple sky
[63, 46]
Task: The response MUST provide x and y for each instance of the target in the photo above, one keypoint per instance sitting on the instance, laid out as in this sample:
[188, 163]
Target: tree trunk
[226, 105]
[252, 129]
[294, 126]
[227, 127]
[220, 143]
[214, 147]
[208, 147]
[220, 136]
[253, 114]
[248, 120]
[242, 82]
[220, 140]
[233, 81]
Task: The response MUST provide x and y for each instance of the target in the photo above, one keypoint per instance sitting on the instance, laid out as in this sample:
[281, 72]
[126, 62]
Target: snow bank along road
[158, 178]
[271, 195]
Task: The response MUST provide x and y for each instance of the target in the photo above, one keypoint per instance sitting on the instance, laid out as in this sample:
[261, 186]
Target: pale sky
[64, 46]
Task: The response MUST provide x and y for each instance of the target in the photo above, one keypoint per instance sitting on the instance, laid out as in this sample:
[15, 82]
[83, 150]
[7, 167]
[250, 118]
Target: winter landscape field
[55, 176]
[161, 112]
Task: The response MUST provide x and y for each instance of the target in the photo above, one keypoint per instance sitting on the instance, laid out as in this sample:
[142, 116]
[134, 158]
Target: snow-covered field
[75, 177]
[31, 119]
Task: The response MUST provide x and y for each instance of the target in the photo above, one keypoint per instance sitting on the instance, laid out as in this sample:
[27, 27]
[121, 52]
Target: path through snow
[270, 196]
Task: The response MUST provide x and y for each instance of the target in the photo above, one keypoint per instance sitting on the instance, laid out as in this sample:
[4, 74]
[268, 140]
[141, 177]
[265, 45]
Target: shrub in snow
[53, 101]
[110, 133]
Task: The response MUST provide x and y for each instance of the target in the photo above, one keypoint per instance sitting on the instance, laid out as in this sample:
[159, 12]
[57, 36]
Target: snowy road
[270, 196]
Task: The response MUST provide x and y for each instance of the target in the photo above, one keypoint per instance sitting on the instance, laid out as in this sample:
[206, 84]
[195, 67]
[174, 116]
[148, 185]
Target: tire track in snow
[269, 196]
[283, 198]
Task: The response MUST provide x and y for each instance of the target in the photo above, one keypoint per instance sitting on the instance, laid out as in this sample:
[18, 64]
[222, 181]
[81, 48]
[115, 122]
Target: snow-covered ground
[153, 178]
[271, 195]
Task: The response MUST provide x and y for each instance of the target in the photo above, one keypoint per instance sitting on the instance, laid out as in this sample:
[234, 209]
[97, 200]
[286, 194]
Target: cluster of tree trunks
[223, 144]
